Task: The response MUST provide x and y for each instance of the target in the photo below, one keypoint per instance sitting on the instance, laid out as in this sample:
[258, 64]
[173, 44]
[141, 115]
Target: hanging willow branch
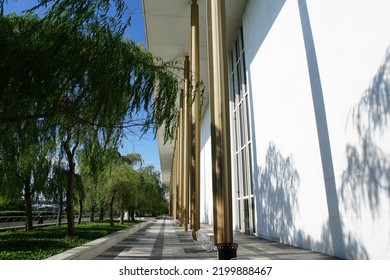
[57, 73]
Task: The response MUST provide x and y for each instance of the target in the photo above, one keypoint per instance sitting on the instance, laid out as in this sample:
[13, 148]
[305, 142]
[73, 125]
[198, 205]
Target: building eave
[167, 27]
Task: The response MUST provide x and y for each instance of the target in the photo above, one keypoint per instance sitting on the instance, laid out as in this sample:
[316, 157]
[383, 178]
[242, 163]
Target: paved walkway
[163, 239]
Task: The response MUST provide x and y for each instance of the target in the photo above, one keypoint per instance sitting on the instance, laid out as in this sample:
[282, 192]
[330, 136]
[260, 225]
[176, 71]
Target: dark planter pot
[227, 251]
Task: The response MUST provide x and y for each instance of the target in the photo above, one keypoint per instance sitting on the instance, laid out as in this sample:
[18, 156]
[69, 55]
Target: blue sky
[147, 146]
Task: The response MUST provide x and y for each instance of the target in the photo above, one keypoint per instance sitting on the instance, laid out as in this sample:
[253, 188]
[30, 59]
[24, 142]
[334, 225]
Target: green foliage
[97, 79]
[11, 203]
[44, 242]
[153, 194]
[122, 187]
[57, 182]
[112, 14]
[70, 87]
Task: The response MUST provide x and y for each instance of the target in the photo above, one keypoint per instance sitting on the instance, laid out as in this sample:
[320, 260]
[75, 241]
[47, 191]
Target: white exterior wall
[352, 41]
[206, 192]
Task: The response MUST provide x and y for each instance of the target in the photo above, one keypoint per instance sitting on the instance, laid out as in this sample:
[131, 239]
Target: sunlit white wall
[206, 193]
[352, 41]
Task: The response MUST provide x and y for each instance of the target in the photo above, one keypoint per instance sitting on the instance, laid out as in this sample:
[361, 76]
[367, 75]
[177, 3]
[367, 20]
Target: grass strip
[43, 242]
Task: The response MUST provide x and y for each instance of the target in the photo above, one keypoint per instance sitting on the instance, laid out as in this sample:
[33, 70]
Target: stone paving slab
[163, 239]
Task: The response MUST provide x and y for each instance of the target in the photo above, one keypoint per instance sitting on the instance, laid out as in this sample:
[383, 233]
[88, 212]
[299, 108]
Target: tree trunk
[112, 211]
[129, 213]
[132, 214]
[60, 206]
[70, 194]
[71, 181]
[93, 209]
[28, 203]
[81, 211]
[101, 213]
[122, 211]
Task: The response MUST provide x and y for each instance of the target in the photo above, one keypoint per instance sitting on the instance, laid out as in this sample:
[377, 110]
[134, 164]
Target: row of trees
[122, 185]
[70, 87]
[133, 190]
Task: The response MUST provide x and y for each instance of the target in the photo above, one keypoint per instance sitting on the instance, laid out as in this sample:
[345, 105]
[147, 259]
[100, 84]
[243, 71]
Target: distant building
[309, 90]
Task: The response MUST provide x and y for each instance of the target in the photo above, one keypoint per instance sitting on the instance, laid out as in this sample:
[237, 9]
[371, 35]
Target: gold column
[172, 181]
[195, 73]
[174, 178]
[178, 197]
[186, 143]
[178, 156]
[220, 126]
[181, 155]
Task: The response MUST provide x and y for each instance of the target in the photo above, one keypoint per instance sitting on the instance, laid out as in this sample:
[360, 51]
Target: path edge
[94, 248]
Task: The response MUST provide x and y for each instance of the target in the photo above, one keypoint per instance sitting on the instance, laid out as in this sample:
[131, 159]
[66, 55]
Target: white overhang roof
[167, 25]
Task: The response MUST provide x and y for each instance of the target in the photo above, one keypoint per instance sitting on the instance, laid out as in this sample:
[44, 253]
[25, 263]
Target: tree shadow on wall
[367, 176]
[354, 250]
[279, 185]
[278, 201]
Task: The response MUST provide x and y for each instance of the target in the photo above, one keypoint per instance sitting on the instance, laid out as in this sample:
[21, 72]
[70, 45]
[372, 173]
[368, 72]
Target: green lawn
[47, 241]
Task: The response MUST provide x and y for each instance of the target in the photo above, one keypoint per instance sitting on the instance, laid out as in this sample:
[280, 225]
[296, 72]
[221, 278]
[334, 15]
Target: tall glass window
[242, 142]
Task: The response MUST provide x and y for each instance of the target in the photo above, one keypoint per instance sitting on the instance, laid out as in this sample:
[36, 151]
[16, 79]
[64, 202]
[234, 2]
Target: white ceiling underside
[167, 25]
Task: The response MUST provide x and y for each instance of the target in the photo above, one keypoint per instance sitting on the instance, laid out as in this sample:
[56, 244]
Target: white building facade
[309, 114]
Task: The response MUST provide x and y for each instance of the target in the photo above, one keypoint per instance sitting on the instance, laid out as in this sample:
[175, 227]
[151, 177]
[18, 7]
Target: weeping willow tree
[72, 71]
